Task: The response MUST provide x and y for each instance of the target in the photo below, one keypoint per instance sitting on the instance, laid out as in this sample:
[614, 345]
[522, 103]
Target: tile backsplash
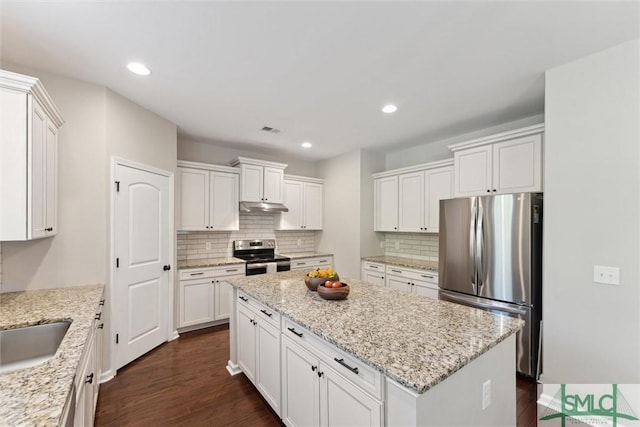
[412, 245]
[192, 245]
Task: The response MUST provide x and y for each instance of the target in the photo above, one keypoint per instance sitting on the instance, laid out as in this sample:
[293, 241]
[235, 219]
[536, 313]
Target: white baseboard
[107, 376]
[233, 368]
[174, 336]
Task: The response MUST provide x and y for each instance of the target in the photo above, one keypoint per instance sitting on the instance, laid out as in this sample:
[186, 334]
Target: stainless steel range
[260, 256]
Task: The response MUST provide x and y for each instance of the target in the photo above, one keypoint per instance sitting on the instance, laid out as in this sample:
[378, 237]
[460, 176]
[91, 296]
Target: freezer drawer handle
[341, 361]
[266, 313]
[293, 331]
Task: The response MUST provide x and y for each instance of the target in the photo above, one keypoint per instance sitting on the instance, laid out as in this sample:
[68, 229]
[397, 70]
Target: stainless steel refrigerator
[491, 258]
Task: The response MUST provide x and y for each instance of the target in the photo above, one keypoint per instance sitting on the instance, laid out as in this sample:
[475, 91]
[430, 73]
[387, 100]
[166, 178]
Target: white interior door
[142, 247]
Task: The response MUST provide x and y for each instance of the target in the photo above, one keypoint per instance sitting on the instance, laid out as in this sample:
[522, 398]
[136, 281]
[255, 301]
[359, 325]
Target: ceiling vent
[270, 129]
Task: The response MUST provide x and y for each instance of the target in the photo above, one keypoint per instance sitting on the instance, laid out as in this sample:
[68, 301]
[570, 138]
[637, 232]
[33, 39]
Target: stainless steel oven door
[261, 268]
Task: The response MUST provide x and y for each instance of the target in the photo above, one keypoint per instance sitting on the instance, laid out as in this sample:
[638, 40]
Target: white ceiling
[318, 71]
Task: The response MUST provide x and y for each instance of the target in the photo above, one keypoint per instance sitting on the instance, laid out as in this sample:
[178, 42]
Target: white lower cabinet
[373, 272]
[258, 346]
[314, 394]
[418, 282]
[204, 295]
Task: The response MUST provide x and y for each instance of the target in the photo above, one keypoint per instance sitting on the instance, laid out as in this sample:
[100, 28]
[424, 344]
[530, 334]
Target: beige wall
[76, 255]
[592, 211]
[219, 154]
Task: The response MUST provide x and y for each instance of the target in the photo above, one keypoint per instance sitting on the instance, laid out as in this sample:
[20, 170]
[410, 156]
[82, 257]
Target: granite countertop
[415, 341]
[404, 262]
[36, 396]
[303, 255]
[209, 262]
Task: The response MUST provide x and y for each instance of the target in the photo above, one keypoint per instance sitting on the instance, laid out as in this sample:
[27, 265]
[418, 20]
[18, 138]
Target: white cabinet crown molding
[208, 166]
[303, 178]
[264, 163]
[516, 133]
[32, 85]
[416, 168]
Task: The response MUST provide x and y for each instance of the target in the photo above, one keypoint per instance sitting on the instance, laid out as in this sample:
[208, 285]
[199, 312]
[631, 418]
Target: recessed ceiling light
[138, 68]
[306, 144]
[389, 108]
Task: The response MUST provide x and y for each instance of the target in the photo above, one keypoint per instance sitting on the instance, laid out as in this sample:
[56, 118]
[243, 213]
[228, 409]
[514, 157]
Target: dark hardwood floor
[185, 382]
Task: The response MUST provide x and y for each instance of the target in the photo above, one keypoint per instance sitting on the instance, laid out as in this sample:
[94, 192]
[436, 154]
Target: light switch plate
[207, 246]
[486, 394]
[606, 275]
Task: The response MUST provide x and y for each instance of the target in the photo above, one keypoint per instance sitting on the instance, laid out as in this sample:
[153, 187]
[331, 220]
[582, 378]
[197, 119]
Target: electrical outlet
[207, 246]
[397, 245]
[606, 275]
[382, 245]
[299, 242]
[486, 394]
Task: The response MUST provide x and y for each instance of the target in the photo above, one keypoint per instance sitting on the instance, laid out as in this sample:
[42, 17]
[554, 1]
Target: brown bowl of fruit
[333, 290]
[319, 276]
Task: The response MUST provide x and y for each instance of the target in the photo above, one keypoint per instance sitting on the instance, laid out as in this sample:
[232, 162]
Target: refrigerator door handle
[472, 247]
[473, 302]
[479, 261]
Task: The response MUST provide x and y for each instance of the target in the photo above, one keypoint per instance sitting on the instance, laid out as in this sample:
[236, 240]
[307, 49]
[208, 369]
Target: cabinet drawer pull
[100, 326]
[293, 331]
[98, 316]
[396, 271]
[301, 263]
[101, 302]
[426, 277]
[243, 298]
[323, 261]
[232, 270]
[266, 313]
[89, 378]
[372, 266]
[341, 361]
[196, 274]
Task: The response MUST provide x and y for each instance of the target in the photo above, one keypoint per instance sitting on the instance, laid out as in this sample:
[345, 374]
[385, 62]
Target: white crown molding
[416, 168]
[516, 133]
[32, 86]
[303, 179]
[264, 163]
[208, 166]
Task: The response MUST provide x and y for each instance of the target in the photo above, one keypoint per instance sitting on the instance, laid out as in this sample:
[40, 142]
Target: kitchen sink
[31, 345]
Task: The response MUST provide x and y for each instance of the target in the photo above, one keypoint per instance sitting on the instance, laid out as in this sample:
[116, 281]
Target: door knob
[167, 267]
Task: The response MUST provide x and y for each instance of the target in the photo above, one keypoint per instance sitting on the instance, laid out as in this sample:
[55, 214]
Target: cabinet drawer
[374, 266]
[364, 376]
[311, 263]
[411, 274]
[203, 273]
[262, 311]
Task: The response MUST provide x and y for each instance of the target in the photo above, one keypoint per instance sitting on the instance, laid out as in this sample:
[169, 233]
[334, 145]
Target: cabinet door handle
[48, 229]
[89, 378]
[313, 368]
[243, 298]
[342, 362]
[266, 313]
[166, 267]
[293, 331]
[320, 374]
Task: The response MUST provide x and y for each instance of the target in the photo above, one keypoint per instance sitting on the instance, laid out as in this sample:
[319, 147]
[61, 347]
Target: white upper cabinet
[408, 199]
[509, 162]
[260, 181]
[386, 204]
[304, 199]
[28, 159]
[208, 197]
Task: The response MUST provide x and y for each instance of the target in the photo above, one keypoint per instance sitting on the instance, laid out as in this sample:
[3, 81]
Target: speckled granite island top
[36, 396]
[404, 262]
[415, 341]
[209, 262]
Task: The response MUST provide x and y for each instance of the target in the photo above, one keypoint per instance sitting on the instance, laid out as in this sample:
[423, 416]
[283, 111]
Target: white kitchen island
[380, 357]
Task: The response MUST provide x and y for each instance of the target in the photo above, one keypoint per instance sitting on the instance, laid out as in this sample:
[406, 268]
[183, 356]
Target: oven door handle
[256, 266]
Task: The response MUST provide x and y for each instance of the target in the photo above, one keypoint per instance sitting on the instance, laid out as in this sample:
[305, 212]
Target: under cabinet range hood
[262, 207]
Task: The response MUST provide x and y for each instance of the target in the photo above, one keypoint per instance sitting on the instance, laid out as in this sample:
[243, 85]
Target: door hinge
[117, 262]
[117, 338]
[117, 186]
